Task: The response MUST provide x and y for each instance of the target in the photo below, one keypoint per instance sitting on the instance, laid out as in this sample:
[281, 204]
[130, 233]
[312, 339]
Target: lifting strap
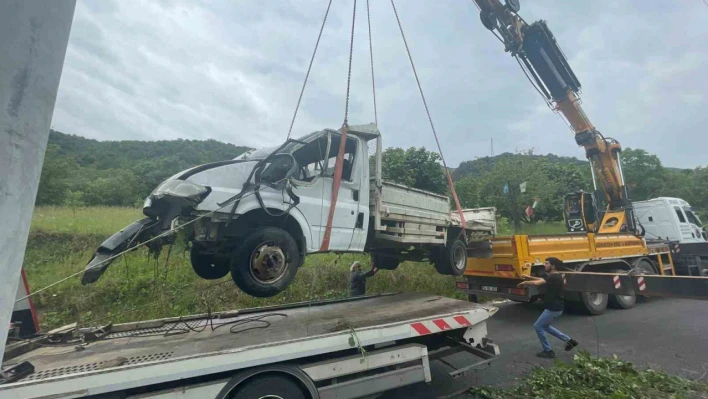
[432, 126]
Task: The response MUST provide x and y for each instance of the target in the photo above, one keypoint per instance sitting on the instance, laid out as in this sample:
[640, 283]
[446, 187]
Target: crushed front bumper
[127, 238]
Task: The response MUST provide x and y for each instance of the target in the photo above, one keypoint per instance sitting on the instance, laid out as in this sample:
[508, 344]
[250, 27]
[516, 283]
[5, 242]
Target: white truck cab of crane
[671, 219]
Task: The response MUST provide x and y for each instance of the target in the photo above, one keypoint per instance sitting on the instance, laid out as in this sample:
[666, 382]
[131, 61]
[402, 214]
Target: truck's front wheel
[266, 263]
[452, 260]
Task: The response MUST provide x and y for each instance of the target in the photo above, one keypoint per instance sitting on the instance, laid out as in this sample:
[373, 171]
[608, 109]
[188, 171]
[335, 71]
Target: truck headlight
[179, 188]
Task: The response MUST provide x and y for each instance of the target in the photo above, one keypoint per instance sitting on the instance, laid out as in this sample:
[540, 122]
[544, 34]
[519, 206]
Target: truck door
[346, 212]
[314, 187]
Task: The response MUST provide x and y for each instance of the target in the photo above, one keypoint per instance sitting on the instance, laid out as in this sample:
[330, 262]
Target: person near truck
[357, 279]
[553, 306]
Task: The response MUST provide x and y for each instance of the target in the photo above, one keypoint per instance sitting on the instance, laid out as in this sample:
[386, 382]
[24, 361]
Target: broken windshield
[261, 153]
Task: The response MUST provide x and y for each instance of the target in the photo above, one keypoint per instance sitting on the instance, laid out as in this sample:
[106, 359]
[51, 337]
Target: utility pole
[491, 139]
[33, 40]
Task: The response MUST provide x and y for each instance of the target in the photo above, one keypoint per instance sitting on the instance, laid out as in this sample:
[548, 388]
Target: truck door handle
[355, 196]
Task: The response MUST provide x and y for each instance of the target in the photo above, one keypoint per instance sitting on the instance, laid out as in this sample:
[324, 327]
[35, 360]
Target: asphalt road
[668, 334]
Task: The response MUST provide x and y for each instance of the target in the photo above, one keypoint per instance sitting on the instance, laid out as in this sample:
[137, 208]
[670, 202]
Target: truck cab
[671, 219]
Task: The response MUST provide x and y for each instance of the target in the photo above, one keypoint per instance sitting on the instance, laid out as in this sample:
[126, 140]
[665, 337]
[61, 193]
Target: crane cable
[430, 119]
[371, 58]
[337, 178]
[307, 75]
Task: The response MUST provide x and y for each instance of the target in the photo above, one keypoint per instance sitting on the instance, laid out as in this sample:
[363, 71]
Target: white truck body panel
[407, 215]
[175, 349]
[669, 218]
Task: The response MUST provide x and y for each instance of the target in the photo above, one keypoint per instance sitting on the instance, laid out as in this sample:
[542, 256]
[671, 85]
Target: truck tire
[593, 302]
[622, 301]
[452, 259]
[269, 386]
[384, 262]
[644, 266]
[266, 262]
[207, 266]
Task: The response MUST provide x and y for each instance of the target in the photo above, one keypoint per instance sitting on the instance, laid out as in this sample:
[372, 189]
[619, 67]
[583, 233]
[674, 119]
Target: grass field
[139, 286]
[93, 221]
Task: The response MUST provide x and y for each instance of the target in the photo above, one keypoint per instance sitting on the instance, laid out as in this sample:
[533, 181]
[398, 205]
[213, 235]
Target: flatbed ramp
[131, 355]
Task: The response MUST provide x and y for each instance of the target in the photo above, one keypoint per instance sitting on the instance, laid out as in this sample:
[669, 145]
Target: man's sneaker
[570, 344]
[546, 354]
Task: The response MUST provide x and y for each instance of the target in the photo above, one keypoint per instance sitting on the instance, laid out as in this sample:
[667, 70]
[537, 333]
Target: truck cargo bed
[176, 348]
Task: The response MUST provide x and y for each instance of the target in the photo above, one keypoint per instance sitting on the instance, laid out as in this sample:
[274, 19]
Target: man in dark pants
[357, 279]
[553, 307]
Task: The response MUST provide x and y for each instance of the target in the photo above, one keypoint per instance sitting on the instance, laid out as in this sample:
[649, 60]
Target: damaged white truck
[259, 215]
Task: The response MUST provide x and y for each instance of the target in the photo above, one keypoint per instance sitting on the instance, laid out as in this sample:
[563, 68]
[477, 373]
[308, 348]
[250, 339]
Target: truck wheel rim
[459, 258]
[268, 263]
[595, 298]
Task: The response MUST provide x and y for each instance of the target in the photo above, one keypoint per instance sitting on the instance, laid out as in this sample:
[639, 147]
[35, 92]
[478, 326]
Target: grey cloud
[232, 71]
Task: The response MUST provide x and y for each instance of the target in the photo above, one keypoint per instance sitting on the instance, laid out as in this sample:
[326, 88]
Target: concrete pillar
[33, 39]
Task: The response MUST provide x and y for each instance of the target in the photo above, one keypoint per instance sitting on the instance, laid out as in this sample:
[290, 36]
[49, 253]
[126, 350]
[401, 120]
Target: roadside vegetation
[140, 286]
[589, 377]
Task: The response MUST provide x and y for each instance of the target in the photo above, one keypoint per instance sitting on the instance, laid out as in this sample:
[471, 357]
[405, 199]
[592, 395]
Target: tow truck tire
[622, 301]
[384, 262]
[207, 266]
[266, 262]
[593, 302]
[452, 260]
[269, 386]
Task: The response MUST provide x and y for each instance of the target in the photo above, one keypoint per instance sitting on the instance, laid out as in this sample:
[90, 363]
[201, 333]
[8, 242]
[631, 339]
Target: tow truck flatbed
[159, 354]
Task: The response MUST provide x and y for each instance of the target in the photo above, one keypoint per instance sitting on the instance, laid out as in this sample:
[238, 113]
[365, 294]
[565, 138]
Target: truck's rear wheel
[385, 262]
[644, 267]
[207, 266]
[452, 260]
[269, 387]
[594, 302]
[266, 263]
[622, 301]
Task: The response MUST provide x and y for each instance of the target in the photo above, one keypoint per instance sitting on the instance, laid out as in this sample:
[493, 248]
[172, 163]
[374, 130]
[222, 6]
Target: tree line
[83, 172]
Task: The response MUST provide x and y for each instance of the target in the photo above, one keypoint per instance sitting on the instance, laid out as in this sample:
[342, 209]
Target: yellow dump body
[514, 255]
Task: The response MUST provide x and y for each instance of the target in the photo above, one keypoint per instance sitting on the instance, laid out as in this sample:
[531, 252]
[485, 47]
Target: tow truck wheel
[266, 263]
[207, 266]
[269, 387]
[622, 301]
[452, 260]
[594, 302]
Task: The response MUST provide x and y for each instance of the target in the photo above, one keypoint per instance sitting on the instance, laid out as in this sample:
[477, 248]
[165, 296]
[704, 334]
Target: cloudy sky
[232, 71]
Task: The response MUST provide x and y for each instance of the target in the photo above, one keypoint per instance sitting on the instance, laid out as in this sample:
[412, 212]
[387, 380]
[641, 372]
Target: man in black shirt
[553, 307]
[357, 279]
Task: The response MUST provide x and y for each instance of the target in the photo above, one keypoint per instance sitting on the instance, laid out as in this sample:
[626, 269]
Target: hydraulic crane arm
[542, 60]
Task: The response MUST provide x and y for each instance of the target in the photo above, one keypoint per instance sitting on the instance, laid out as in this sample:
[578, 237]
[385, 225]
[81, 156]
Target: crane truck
[610, 242]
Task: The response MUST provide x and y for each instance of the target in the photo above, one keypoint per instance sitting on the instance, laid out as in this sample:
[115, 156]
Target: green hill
[118, 173]
[482, 165]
